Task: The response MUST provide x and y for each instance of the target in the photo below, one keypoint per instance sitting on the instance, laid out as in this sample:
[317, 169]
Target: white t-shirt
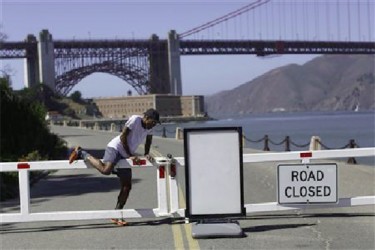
[136, 136]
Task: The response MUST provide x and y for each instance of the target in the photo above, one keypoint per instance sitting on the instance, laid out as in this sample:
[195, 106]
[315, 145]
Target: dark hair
[153, 114]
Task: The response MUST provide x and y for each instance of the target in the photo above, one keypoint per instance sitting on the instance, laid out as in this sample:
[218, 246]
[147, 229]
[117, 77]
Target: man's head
[151, 118]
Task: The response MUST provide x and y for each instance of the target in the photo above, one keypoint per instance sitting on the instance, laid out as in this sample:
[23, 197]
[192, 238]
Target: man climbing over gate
[136, 130]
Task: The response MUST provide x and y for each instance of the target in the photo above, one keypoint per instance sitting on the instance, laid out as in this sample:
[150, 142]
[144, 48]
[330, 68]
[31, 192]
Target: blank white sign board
[213, 171]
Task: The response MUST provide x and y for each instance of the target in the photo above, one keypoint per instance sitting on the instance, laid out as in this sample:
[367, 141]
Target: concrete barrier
[179, 133]
[113, 127]
[96, 126]
[315, 143]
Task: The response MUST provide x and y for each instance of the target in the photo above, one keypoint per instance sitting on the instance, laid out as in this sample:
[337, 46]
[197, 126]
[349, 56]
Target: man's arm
[124, 140]
[148, 144]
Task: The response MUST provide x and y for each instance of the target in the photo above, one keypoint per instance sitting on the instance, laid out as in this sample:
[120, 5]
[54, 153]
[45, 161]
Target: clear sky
[201, 75]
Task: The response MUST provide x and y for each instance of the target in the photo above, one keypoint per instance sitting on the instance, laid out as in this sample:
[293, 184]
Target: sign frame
[308, 165]
[199, 202]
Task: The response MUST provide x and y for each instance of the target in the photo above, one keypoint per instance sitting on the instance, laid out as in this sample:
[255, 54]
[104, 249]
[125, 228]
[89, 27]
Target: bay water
[335, 129]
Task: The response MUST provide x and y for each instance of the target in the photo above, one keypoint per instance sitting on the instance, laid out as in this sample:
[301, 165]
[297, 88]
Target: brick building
[167, 105]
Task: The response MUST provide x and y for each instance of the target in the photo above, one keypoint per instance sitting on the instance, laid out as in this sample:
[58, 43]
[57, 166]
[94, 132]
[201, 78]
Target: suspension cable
[224, 18]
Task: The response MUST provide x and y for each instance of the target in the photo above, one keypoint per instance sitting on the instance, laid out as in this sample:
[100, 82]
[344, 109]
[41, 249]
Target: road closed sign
[307, 183]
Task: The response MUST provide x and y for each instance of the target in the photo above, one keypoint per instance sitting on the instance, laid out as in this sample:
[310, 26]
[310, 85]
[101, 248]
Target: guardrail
[168, 198]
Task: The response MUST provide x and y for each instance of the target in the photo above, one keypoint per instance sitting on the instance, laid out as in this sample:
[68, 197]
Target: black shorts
[112, 155]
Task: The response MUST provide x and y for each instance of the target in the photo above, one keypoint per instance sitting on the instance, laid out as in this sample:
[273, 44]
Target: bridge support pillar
[159, 76]
[174, 63]
[31, 66]
[46, 59]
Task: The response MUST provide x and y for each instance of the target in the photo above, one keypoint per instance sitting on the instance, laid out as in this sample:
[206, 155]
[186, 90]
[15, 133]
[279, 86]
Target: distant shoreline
[276, 114]
[182, 119]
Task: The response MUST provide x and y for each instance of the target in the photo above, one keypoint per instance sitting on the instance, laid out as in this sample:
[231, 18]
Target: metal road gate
[25, 215]
[167, 186]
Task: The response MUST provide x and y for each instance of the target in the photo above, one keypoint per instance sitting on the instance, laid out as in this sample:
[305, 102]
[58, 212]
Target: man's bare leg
[104, 168]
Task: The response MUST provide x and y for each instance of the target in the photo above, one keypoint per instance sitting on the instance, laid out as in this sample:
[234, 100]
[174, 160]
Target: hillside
[326, 83]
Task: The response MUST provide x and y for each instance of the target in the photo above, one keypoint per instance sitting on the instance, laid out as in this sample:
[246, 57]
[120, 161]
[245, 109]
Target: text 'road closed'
[307, 183]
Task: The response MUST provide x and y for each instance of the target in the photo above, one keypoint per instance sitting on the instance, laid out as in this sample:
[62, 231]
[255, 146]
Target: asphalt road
[68, 190]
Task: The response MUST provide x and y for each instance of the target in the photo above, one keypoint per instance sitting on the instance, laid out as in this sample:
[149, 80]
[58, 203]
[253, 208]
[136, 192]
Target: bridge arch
[135, 75]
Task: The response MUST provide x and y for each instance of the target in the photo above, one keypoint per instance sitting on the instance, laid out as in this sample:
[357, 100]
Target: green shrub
[24, 133]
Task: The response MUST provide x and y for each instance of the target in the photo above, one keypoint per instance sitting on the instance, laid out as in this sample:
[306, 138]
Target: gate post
[24, 186]
[173, 187]
[161, 175]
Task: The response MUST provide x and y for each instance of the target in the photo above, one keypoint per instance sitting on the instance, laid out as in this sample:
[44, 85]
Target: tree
[24, 135]
[6, 71]
[3, 36]
[76, 96]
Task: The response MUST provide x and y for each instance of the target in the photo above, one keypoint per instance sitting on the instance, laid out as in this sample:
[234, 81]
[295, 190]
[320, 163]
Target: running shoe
[119, 222]
[75, 154]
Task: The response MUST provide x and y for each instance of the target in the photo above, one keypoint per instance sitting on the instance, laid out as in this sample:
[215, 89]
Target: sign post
[307, 183]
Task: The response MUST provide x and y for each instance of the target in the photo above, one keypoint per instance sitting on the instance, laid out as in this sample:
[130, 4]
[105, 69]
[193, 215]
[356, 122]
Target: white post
[173, 187]
[162, 187]
[24, 185]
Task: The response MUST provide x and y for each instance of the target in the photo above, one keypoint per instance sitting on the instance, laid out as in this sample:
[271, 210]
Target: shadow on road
[12, 228]
[68, 185]
[76, 135]
[274, 227]
[310, 215]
